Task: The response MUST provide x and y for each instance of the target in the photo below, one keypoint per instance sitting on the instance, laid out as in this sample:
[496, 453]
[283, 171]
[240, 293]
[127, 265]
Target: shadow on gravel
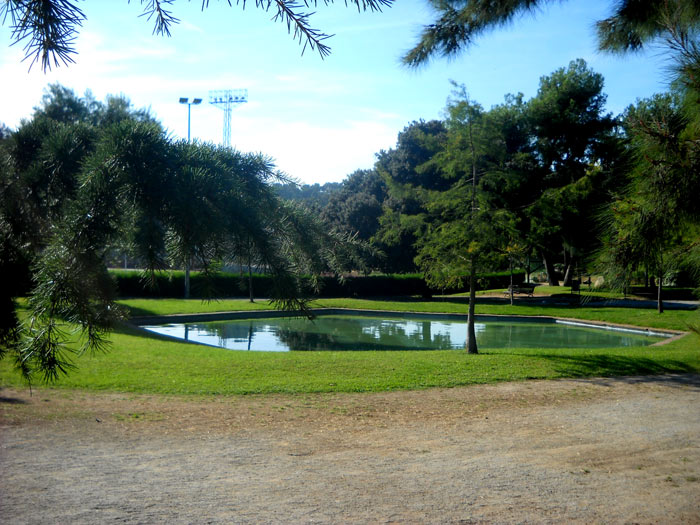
[688, 381]
[12, 400]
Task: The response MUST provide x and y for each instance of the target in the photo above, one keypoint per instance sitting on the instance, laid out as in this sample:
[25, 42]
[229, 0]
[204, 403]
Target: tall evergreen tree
[408, 172]
[465, 229]
[357, 205]
[653, 224]
[571, 135]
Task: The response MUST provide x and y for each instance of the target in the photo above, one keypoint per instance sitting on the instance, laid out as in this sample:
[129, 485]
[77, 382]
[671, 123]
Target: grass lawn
[141, 363]
[671, 320]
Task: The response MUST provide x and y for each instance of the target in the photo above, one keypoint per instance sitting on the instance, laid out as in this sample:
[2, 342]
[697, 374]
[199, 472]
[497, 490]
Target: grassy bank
[140, 363]
[671, 320]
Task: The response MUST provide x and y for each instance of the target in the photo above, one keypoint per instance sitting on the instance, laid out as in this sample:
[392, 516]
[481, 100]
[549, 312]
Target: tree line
[554, 181]
[650, 212]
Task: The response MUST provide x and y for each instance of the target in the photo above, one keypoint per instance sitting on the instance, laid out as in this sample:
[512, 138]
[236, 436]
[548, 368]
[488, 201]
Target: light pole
[195, 101]
[188, 260]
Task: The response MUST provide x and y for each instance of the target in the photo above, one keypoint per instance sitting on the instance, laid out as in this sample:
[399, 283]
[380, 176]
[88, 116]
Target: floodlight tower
[227, 99]
[195, 101]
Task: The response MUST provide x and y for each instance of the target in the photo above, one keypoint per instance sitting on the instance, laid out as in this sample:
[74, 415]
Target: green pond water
[355, 332]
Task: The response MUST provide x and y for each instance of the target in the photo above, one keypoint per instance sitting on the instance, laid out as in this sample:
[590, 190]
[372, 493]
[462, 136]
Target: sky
[319, 119]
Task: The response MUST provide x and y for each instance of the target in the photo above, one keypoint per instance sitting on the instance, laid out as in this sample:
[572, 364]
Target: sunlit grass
[138, 362]
[647, 317]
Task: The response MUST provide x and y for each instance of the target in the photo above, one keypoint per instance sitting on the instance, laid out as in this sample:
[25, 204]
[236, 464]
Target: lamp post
[188, 260]
[195, 101]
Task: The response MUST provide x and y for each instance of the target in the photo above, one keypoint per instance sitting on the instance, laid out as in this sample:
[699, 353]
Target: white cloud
[314, 153]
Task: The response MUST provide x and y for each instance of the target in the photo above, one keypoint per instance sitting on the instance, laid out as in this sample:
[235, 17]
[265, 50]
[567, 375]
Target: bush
[172, 284]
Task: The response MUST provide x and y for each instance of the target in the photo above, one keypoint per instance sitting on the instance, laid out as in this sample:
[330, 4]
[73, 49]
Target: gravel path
[601, 450]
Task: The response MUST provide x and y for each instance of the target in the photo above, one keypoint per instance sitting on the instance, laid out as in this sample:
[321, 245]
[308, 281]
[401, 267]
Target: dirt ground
[589, 451]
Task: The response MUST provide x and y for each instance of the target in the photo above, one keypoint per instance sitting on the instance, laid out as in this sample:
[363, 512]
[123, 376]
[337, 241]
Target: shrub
[171, 284]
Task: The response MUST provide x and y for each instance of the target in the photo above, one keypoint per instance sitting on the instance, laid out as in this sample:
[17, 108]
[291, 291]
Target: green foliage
[632, 24]
[574, 144]
[408, 172]
[314, 196]
[356, 206]
[170, 284]
[654, 224]
[635, 24]
[82, 177]
[460, 230]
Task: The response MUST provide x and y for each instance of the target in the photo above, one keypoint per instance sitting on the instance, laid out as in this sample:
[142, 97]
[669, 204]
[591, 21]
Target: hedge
[130, 283]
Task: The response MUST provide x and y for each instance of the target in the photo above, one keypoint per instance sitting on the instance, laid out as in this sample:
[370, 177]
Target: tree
[39, 163]
[408, 172]
[70, 280]
[570, 133]
[71, 190]
[49, 27]
[214, 193]
[461, 236]
[654, 222]
[355, 209]
[511, 180]
[315, 195]
[633, 24]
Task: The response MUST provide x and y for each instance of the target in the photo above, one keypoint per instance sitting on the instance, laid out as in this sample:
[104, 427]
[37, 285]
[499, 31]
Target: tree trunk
[471, 332]
[659, 302]
[511, 281]
[551, 272]
[187, 279]
[569, 271]
[250, 283]
[527, 276]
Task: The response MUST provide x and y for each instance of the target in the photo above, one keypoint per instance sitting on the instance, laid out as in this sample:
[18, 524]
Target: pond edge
[669, 335]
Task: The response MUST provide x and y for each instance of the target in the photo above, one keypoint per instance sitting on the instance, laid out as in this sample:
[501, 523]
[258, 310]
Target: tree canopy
[556, 179]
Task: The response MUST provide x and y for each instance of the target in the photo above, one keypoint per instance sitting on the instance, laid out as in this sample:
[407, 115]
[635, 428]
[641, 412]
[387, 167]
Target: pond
[362, 332]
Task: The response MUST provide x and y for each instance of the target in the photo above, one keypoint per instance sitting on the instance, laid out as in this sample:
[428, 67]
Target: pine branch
[50, 27]
[163, 17]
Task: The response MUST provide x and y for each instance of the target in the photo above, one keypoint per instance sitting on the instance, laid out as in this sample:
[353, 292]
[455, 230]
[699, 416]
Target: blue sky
[319, 119]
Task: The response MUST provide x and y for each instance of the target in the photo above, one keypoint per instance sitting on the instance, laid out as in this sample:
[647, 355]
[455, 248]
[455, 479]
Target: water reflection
[344, 332]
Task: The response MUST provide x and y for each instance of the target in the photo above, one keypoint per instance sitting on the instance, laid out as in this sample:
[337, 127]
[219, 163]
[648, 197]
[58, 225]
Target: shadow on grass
[571, 301]
[141, 333]
[562, 301]
[140, 312]
[610, 365]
